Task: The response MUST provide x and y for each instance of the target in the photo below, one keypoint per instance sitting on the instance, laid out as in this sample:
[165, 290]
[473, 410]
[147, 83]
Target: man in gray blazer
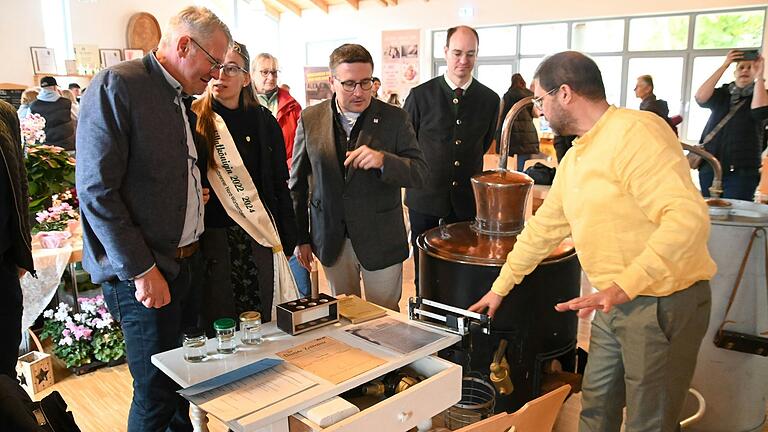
[139, 180]
[359, 153]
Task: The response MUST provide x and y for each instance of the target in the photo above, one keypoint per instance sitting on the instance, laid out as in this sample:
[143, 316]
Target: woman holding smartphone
[733, 132]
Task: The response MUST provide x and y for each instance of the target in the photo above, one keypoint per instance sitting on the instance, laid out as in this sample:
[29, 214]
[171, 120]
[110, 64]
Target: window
[496, 76]
[598, 36]
[438, 43]
[497, 41]
[729, 30]
[57, 28]
[543, 38]
[658, 33]
[610, 69]
[528, 68]
[667, 74]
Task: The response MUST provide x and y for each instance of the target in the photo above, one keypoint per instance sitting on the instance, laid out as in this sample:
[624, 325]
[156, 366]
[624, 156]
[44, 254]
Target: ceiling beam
[354, 3]
[289, 5]
[321, 4]
[271, 10]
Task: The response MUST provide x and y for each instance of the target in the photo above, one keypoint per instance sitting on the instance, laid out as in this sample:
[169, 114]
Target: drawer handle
[404, 416]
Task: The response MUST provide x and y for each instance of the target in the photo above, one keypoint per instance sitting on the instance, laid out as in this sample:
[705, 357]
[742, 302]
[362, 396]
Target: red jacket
[288, 113]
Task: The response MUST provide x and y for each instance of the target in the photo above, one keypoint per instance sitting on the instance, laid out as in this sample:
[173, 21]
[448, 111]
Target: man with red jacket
[282, 105]
[287, 112]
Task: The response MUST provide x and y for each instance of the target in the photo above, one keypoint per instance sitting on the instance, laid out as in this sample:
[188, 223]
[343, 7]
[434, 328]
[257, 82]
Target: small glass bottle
[225, 335]
[250, 328]
[194, 345]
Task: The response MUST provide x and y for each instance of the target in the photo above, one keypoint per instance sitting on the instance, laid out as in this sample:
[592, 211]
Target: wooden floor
[100, 400]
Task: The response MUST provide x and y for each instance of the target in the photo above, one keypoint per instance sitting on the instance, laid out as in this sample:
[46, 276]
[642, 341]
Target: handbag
[695, 160]
[736, 341]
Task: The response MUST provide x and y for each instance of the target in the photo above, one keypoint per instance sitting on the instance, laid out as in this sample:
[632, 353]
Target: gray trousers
[642, 354]
[382, 287]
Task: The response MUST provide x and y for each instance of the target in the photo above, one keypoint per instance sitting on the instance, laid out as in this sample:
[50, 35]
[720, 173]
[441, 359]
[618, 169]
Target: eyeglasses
[215, 65]
[538, 102]
[349, 85]
[267, 72]
[232, 70]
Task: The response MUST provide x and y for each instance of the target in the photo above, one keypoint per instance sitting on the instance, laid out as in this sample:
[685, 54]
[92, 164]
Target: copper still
[459, 262]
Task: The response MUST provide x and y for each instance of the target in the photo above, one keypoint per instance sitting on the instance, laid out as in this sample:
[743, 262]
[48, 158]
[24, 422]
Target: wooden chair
[538, 415]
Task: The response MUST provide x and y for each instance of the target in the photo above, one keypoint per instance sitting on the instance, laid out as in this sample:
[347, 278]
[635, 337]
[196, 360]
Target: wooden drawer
[405, 410]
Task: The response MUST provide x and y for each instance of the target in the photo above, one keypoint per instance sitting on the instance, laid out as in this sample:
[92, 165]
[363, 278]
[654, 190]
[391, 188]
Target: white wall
[365, 25]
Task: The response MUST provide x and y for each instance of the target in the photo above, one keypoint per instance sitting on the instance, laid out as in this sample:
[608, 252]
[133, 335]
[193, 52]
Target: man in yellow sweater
[624, 193]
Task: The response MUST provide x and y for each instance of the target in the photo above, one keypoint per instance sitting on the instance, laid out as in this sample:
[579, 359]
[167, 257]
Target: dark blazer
[453, 144]
[132, 171]
[367, 202]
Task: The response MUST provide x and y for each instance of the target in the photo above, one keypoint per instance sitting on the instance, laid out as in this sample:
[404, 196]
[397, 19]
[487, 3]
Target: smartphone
[749, 55]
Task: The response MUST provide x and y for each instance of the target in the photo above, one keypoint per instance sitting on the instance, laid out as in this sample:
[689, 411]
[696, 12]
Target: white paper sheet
[260, 390]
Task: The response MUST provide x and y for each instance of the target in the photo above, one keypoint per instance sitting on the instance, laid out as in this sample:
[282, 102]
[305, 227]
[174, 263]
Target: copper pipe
[717, 184]
[506, 125]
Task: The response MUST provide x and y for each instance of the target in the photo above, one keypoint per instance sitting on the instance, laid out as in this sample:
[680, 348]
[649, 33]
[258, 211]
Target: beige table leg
[199, 418]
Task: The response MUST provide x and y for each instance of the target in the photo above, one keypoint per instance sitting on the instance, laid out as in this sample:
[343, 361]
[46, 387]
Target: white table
[274, 417]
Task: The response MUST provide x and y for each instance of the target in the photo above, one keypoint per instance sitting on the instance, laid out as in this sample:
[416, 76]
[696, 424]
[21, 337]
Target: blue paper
[230, 377]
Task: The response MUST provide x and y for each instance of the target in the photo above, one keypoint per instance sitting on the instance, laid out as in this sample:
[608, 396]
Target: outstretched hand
[365, 158]
[603, 300]
[490, 301]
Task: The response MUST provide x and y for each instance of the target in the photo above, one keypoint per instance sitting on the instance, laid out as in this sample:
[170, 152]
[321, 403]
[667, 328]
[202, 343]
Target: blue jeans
[740, 185]
[156, 406]
[303, 282]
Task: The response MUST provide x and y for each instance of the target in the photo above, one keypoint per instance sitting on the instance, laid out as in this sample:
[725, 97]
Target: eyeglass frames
[232, 70]
[538, 102]
[215, 65]
[349, 85]
[267, 72]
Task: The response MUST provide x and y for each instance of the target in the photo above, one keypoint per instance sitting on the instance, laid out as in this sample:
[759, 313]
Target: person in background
[15, 240]
[141, 199]
[359, 153]
[523, 138]
[75, 106]
[394, 99]
[75, 89]
[649, 101]
[240, 273]
[287, 110]
[57, 112]
[732, 133]
[376, 87]
[27, 97]
[624, 194]
[454, 116]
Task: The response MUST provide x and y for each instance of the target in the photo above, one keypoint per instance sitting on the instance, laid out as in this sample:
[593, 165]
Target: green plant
[50, 170]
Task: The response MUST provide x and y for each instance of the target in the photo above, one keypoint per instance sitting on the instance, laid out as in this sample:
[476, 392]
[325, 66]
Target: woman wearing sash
[249, 219]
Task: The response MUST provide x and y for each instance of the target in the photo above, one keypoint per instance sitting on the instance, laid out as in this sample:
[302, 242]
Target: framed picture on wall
[110, 57]
[131, 54]
[43, 60]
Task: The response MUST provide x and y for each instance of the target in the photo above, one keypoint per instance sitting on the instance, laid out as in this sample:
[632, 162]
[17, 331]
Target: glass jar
[225, 335]
[194, 345]
[250, 328]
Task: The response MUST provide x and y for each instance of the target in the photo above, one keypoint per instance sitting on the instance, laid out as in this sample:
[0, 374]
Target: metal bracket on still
[454, 320]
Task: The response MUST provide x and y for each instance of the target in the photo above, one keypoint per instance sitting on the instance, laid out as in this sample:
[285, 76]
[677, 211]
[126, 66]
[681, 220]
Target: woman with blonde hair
[249, 219]
[27, 97]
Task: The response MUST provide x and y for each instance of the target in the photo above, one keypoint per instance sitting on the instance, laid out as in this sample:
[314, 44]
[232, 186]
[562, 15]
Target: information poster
[316, 84]
[400, 62]
[87, 58]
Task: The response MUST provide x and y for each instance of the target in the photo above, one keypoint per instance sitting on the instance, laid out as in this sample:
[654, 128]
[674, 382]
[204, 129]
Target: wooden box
[35, 372]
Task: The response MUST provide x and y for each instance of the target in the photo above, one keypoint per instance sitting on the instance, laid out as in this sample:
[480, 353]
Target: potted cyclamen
[58, 223]
[87, 340]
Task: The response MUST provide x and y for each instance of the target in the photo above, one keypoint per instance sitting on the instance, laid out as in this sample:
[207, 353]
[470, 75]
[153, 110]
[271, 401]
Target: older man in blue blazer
[140, 188]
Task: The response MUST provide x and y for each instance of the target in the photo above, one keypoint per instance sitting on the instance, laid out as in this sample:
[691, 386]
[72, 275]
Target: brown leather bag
[736, 341]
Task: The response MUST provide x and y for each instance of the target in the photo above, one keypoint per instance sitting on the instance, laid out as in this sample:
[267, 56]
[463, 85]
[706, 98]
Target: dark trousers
[421, 223]
[10, 317]
[156, 406]
[738, 185]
